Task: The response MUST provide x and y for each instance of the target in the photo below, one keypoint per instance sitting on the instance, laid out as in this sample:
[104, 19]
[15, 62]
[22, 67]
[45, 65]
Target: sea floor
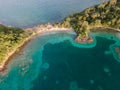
[55, 62]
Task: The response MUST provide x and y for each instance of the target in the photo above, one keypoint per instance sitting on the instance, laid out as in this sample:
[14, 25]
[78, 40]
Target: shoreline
[89, 39]
[41, 29]
[104, 28]
[34, 31]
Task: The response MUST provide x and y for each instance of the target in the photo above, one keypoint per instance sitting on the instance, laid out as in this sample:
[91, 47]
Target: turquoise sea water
[54, 61]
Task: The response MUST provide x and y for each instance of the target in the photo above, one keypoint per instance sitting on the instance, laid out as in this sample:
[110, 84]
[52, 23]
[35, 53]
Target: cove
[54, 62]
[78, 68]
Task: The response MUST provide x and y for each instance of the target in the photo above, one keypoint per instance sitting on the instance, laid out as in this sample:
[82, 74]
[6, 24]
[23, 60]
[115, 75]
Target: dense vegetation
[10, 38]
[106, 14]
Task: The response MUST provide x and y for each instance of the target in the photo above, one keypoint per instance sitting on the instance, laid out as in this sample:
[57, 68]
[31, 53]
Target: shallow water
[54, 61]
[73, 68]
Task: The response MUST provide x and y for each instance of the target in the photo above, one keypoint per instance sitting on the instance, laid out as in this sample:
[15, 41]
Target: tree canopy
[9, 39]
[106, 14]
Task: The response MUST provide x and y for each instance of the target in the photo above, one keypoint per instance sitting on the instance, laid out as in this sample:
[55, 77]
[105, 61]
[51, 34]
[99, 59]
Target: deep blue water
[33, 12]
[73, 68]
[54, 61]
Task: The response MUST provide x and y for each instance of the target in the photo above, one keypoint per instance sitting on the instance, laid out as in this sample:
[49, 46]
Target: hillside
[105, 15]
[10, 38]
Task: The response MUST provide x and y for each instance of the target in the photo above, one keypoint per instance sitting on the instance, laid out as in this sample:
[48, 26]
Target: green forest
[10, 38]
[106, 14]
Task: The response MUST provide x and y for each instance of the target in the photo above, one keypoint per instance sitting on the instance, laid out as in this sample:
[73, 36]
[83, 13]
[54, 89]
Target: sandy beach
[34, 31]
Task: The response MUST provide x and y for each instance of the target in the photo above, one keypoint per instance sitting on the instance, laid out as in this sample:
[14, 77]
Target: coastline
[41, 29]
[88, 39]
[34, 31]
[104, 28]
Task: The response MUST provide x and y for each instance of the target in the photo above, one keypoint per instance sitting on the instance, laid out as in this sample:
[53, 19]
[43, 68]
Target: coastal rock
[117, 50]
[1, 68]
[86, 39]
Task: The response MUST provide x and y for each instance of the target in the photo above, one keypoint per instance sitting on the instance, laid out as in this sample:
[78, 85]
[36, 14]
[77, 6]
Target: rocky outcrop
[86, 39]
[117, 50]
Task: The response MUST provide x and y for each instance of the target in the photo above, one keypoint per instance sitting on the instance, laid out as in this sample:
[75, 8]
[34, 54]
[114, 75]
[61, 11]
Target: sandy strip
[35, 31]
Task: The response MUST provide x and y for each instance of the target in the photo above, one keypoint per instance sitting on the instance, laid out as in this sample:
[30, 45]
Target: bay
[55, 61]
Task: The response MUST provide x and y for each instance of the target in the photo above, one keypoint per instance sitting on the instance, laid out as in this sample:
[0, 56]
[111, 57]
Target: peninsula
[102, 16]
[98, 17]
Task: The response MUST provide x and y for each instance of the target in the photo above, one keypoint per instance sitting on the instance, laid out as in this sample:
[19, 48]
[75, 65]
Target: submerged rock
[57, 82]
[74, 86]
[45, 77]
[117, 50]
[106, 70]
[45, 66]
[92, 81]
